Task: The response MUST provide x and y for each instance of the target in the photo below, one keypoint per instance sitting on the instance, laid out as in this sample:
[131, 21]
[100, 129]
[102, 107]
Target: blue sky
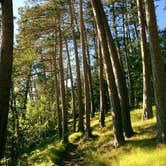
[16, 5]
[161, 13]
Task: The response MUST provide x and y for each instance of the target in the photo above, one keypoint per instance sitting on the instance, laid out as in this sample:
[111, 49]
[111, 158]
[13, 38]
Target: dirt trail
[73, 157]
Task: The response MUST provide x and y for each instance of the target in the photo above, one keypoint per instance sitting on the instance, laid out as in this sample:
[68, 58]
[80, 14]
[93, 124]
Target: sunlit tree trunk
[79, 84]
[72, 88]
[116, 32]
[147, 101]
[119, 79]
[62, 91]
[126, 57]
[90, 77]
[57, 90]
[85, 68]
[159, 75]
[113, 94]
[6, 59]
[101, 80]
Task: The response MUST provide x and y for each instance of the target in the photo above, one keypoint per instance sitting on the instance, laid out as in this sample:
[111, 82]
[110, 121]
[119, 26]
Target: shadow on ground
[70, 157]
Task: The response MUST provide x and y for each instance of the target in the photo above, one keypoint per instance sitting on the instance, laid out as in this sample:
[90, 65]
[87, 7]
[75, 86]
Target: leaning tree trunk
[113, 94]
[159, 75]
[147, 98]
[85, 68]
[6, 59]
[119, 79]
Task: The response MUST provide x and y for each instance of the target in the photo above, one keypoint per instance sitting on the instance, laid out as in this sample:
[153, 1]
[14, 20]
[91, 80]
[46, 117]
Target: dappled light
[82, 83]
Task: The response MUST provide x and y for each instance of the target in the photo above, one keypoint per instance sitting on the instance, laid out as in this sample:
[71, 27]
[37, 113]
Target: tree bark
[6, 59]
[93, 110]
[62, 91]
[85, 68]
[126, 56]
[116, 32]
[159, 75]
[113, 95]
[101, 80]
[58, 110]
[119, 79]
[72, 89]
[27, 87]
[79, 84]
[147, 101]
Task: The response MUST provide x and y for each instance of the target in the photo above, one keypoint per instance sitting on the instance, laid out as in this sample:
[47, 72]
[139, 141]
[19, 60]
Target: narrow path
[73, 157]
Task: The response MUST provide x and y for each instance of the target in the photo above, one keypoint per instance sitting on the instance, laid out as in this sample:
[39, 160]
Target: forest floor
[140, 150]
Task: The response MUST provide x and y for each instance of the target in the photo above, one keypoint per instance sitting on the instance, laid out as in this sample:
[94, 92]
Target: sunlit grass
[144, 157]
[74, 137]
[140, 150]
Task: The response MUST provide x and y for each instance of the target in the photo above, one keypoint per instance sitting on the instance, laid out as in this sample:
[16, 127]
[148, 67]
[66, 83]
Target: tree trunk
[101, 80]
[147, 101]
[62, 90]
[93, 110]
[159, 75]
[27, 87]
[85, 68]
[72, 89]
[58, 110]
[6, 59]
[119, 79]
[14, 150]
[113, 95]
[79, 84]
[116, 32]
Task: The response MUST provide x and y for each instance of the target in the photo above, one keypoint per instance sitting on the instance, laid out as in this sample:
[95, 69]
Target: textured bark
[159, 75]
[101, 80]
[14, 143]
[85, 68]
[93, 110]
[147, 101]
[27, 88]
[58, 111]
[72, 89]
[62, 90]
[79, 84]
[116, 32]
[119, 79]
[6, 59]
[113, 95]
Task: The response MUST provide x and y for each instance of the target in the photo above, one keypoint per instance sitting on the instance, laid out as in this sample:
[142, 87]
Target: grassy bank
[140, 150]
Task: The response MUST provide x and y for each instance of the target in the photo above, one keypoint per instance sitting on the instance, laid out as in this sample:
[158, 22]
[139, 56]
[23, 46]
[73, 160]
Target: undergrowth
[140, 150]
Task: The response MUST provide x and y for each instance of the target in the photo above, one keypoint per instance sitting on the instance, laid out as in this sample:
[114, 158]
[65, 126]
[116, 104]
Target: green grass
[45, 156]
[140, 150]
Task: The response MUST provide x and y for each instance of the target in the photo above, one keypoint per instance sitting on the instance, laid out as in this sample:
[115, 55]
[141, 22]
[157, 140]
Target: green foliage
[162, 35]
[32, 119]
[75, 137]
[139, 150]
[96, 90]
[45, 156]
